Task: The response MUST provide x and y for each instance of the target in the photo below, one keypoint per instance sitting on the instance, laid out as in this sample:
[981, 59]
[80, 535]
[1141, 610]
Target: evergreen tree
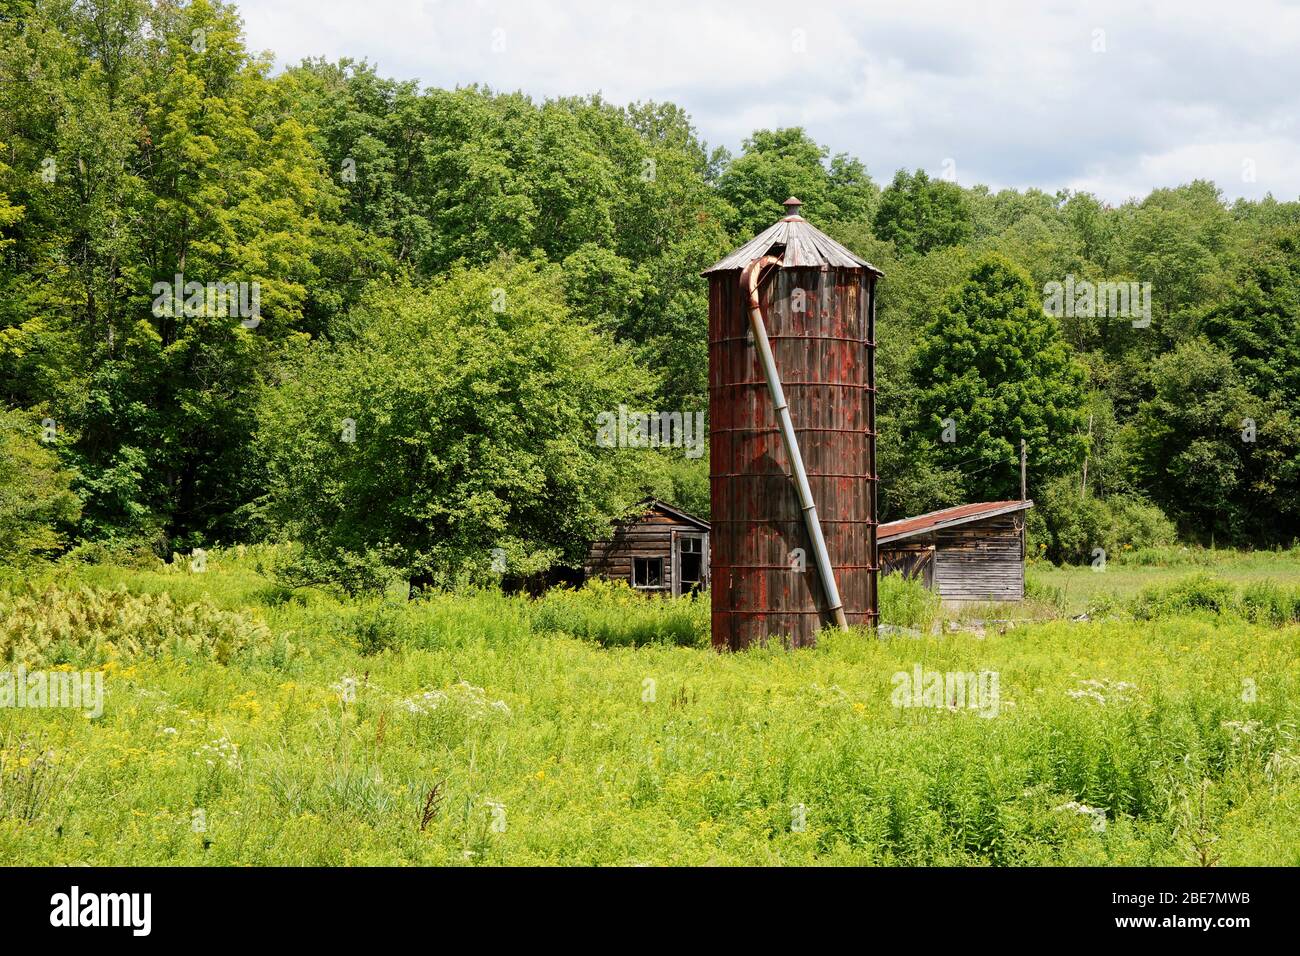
[992, 369]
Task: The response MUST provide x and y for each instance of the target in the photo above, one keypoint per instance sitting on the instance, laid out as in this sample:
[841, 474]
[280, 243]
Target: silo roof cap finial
[802, 245]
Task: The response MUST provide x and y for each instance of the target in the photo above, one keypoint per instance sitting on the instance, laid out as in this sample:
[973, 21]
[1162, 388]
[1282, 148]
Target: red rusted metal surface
[749, 281]
[825, 357]
[947, 516]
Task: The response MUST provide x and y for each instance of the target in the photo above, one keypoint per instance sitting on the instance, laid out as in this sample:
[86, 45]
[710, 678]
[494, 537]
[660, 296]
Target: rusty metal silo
[814, 315]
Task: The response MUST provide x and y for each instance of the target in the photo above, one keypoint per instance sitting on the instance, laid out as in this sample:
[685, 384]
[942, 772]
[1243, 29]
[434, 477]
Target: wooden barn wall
[981, 561]
[911, 559]
[648, 537]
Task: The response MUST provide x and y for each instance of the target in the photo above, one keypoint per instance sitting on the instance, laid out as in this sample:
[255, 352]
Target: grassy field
[246, 725]
[1127, 574]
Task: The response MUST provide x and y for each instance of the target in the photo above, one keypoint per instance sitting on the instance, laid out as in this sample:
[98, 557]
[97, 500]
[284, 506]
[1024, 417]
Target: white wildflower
[1103, 691]
[1098, 814]
[1242, 730]
[463, 697]
[221, 751]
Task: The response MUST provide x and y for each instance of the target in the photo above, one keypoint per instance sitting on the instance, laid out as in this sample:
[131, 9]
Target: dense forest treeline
[452, 284]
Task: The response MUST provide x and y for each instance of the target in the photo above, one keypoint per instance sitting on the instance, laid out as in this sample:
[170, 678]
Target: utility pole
[1083, 486]
[1023, 496]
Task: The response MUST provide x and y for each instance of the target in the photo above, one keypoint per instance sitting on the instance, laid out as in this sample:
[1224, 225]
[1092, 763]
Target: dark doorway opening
[690, 563]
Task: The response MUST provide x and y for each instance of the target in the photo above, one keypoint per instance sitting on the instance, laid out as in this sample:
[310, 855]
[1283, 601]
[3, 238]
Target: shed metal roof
[803, 246]
[946, 518]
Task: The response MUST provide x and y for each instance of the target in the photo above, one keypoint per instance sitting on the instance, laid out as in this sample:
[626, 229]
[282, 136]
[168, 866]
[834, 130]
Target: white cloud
[1237, 167]
[1015, 93]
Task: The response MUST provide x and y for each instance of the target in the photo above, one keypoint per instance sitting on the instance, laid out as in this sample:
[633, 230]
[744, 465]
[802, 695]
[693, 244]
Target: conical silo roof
[803, 246]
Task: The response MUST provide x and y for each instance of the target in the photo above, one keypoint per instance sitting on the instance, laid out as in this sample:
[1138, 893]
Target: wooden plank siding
[652, 535]
[910, 559]
[981, 561]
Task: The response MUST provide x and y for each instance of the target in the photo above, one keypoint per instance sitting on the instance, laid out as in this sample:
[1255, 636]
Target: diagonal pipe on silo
[749, 281]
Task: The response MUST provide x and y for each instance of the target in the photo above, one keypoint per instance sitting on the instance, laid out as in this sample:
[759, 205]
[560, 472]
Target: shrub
[379, 627]
[36, 500]
[1065, 527]
[1136, 523]
[1041, 592]
[91, 626]
[907, 602]
[351, 572]
[1104, 604]
[614, 614]
[473, 431]
[1265, 602]
[1199, 592]
[127, 552]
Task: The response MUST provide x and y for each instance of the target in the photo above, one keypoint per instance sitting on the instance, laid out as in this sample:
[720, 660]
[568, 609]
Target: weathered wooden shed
[662, 549]
[973, 552]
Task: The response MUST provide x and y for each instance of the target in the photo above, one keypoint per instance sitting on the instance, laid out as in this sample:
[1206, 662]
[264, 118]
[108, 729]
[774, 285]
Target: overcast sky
[1116, 98]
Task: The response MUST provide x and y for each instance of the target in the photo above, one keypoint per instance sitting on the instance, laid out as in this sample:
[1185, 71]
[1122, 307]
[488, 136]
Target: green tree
[1068, 527]
[912, 480]
[1257, 319]
[777, 164]
[156, 147]
[992, 369]
[37, 505]
[620, 195]
[1092, 223]
[475, 429]
[1255, 325]
[1208, 449]
[9, 213]
[1179, 241]
[918, 214]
